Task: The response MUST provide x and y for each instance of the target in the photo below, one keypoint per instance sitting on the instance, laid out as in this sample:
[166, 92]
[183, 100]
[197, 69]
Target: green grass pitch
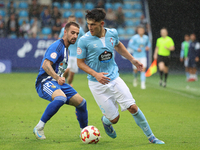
[173, 114]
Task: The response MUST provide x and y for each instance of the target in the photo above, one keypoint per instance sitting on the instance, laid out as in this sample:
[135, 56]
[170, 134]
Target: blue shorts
[46, 89]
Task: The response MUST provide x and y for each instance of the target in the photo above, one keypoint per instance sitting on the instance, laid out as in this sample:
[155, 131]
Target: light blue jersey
[99, 53]
[139, 42]
[73, 47]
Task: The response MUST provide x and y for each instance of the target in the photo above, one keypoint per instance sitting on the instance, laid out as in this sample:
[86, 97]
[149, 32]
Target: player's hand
[181, 59]
[61, 80]
[139, 50]
[147, 48]
[101, 78]
[138, 64]
[197, 59]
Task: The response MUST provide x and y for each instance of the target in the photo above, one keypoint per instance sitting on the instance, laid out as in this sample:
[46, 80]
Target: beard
[71, 41]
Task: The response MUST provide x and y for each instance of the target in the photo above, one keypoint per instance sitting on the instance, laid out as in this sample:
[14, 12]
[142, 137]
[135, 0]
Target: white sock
[40, 124]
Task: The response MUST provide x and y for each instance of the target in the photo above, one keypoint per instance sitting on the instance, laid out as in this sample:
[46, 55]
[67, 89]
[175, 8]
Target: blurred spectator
[55, 36]
[110, 18]
[35, 27]
[59, 1]
[120, 19]
[45, 3]
[55, 14]
[82, 23]
[12, 25]
[57, 26]
[34, 9]
[2, 28]
[11, 9]
[100, 4]
[64, 22]
[144, 23]
[24, 29]
[46, 18]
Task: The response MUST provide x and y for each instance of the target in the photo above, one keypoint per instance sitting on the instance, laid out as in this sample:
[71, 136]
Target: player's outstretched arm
[99, 76]
[47, 66]
[121, 49]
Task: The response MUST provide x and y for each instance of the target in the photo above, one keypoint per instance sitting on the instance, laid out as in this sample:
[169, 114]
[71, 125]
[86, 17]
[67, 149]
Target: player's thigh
[69, 91]
[75, 100]
[122, 94]
[161, 65]
[48, 89]
[105, 99]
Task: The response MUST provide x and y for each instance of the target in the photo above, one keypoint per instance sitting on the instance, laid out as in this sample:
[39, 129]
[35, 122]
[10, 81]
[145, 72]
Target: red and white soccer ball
[90, 134]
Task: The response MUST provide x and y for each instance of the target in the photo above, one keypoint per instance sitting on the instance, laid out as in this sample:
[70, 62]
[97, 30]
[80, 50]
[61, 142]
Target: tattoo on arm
[49, 70]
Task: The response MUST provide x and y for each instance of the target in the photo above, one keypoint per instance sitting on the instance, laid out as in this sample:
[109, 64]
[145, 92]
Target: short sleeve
[157, 43]
[116, 37]
[53, 52]
[171, 42]
[81, 49]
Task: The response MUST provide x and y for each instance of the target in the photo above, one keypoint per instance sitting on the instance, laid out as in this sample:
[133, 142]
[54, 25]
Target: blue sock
[187, 74]
[142, 122]
[82, 114]
[53, 107]
[142, 77]
[106, 121]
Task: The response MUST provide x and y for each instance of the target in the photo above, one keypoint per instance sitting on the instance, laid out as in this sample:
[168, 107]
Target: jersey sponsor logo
[53, 55]
[105, 57]
[79, 50]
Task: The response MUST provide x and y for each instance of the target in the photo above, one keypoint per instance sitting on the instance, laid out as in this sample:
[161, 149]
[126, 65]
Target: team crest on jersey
[79, 50]
[53, 86]
[111, 40]
[53, 55]
[105, 57]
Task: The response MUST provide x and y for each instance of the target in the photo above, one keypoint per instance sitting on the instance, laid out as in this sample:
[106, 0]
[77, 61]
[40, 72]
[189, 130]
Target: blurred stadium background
[25, 51]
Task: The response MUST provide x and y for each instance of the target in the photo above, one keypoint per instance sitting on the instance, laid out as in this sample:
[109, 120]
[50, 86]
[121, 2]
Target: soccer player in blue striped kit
[95, 56]
[52, 87]
[139, 44]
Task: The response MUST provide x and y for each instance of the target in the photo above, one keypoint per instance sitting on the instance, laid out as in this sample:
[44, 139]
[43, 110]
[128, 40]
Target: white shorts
[72, 64]
[186, 62]
[143, 60]
[110, 95]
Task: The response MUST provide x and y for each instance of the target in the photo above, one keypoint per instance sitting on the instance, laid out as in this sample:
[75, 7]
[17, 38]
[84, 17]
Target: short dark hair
[97, 14]
[164, 28]
[71, 24]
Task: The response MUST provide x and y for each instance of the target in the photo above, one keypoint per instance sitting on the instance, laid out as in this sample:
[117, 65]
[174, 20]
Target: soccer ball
[90, 134]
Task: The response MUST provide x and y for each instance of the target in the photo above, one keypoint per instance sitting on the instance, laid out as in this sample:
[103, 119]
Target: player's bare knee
[114, 121]
[75, 100]
[133, 109]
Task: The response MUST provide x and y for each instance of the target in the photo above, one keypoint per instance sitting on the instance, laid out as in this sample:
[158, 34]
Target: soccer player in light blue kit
[139, 44]
[95, 56]
[72, 67]
[184, 54]
[52, 87]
